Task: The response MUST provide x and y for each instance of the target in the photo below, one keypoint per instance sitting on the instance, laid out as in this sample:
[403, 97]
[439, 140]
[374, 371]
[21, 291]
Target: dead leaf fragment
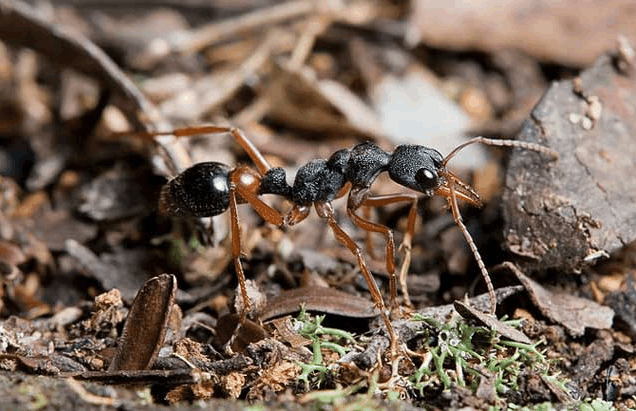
[274, 379]
[320, 299]
[574, 313]
[249, 332]
[287, 332]
[146, 325]
[466, 311]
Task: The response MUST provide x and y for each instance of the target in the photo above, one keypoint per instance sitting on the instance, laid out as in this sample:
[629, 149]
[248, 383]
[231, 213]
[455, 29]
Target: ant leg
[236, 257]
[325, 211]
[243, 182]
[246, 183]
[251, 150]
[296, 215]
[369, 226]
[405, 246]
[452, 197]
[366, 211]
[240, 137]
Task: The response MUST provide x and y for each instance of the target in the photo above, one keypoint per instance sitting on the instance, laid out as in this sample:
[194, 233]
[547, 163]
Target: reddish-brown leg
[325, 211]
[244, 181]
[236, 257]
[405, 246]
[368, 239]
[469, 239]
[240, 137]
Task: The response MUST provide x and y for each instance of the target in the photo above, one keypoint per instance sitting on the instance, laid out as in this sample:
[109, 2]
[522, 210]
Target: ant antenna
[502, 143]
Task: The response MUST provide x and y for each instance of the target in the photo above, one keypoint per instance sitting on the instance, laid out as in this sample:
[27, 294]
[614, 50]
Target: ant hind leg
[255, 155]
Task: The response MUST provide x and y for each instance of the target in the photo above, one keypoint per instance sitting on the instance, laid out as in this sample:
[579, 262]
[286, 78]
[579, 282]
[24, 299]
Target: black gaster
[366, 162]
[320, 180]
[200, 191]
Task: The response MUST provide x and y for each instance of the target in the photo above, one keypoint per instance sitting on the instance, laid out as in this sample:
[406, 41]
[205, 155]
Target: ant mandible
[210, 188]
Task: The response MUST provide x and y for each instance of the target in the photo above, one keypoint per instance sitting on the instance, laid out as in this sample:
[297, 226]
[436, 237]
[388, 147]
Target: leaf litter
[80, 234]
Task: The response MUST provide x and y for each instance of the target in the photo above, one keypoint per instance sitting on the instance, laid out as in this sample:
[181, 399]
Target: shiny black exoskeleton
[200, 191]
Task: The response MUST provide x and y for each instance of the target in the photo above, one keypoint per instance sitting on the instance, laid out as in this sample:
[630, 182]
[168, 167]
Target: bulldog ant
[210, 188]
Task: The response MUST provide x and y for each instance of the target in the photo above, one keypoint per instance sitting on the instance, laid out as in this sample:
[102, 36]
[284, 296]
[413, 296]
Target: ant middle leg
[405, 246]
[325, 210]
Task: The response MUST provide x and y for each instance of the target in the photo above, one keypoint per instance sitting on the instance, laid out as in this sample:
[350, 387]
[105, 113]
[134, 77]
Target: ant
[210, 188]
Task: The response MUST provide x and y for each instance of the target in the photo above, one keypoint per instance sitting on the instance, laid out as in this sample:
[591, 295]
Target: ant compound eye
[426, 178]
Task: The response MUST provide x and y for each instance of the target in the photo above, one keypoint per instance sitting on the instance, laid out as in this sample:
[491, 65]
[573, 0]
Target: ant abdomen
[200, 191]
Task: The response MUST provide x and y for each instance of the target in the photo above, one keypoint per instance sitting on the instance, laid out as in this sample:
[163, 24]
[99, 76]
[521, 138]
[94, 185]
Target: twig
[190, 42]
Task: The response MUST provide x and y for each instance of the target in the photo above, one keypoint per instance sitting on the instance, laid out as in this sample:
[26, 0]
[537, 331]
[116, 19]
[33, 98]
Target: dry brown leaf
[574, 313]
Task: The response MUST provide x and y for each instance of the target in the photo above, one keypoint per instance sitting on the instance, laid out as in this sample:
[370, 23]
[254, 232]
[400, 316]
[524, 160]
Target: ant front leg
[453, 189]
[452, 199]
[357, 199]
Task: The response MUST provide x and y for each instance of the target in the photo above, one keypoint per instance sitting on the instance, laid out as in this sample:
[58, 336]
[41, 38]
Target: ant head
[417, 167]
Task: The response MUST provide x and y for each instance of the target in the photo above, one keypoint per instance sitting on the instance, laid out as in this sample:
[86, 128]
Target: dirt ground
[119, 292]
